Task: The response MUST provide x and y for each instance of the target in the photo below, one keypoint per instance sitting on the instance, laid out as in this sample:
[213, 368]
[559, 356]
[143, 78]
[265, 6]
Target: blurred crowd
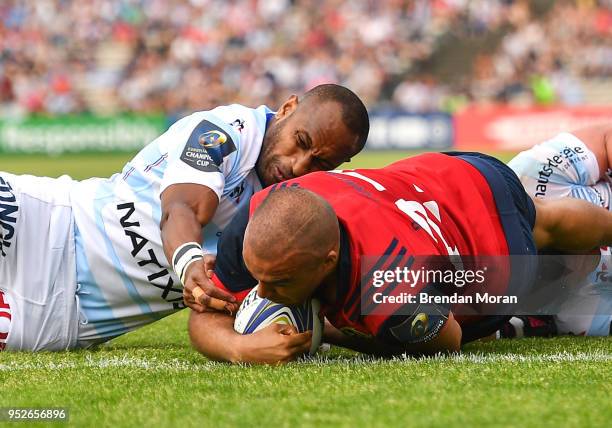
[174, 56]
[544, 61]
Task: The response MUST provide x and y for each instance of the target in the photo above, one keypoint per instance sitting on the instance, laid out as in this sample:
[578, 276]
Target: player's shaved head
[291, 244]
[292, 221]
[354, 112]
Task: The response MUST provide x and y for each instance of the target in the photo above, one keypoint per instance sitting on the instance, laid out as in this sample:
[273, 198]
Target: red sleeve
[239, 295]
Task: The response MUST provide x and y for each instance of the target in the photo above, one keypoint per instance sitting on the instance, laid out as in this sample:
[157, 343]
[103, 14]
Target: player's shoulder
[244, 125]
[231, 136]
[558, 148]
[562, 155]
[247, 125]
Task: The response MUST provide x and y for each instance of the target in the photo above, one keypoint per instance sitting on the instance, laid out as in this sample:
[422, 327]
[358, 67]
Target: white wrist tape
[184, 256]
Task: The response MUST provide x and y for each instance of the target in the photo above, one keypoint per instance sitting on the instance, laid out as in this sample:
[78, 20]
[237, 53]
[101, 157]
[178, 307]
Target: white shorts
[37, 262]
[565, 167]
[588, 311]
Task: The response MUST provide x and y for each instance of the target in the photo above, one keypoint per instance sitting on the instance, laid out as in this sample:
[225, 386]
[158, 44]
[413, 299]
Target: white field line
[176, 365]
[477, 358]
[129, 362]
[561, 357]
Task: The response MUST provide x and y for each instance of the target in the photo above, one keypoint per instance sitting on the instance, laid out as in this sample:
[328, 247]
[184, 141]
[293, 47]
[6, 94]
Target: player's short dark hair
[354, 112]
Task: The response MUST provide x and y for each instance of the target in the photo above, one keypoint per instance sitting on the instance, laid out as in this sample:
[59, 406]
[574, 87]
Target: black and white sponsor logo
[8, 216]
[238, 124]
[206, 147]
[146, 258]
[237, 192]
[562, 161]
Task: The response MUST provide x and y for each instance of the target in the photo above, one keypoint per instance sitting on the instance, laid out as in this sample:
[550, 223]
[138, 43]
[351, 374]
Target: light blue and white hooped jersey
[562, 167]
[565, 167]
[124, 279]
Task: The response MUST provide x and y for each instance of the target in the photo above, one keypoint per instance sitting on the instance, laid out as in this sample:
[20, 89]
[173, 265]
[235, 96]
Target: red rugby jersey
[428, 205]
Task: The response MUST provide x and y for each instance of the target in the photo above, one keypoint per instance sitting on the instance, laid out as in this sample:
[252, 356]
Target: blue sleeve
[230, 267]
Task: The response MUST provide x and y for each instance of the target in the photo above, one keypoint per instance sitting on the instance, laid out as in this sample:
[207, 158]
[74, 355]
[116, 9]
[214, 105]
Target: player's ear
[288, 107]
[331, 260]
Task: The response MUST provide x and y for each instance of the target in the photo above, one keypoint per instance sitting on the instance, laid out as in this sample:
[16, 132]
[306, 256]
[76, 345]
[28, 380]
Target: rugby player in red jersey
[308, 235]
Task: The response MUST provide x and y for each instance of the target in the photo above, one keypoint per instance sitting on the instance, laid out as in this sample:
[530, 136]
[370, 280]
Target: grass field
[151, 377]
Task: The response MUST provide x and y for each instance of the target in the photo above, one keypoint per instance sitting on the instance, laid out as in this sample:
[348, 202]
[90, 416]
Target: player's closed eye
[323, 164]
[277, 283]
[302, 142]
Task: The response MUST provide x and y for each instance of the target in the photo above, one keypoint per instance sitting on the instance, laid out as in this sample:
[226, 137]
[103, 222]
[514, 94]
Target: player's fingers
[217, 293]
[198, 308]
[203, 299]
[302, 348]
[187, 292]
[216, 304]
[299, 339]
[197, 292]
[231, 308]
[195, 306]
[286, 329]
[209, 263]
[187, 298]
[209, 302]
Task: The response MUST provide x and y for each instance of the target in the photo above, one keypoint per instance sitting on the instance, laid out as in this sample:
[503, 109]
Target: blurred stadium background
[111, 75]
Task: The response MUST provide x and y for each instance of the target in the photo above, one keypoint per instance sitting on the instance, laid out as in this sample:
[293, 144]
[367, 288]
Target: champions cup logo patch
[419, 325]
[212, 139]
[207, 146]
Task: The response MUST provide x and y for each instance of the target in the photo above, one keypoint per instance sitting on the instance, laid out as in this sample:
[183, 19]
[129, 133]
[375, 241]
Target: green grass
[76, 165]
[151, 377]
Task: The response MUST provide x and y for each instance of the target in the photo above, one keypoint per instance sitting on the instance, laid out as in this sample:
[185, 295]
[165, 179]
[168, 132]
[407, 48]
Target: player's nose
[302, 165]
[263, 292]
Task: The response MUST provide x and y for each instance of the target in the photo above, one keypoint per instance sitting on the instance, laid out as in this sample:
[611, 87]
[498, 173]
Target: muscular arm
[448, 340]
[186, 209]
[212, 334]
[599, 140]
[571, 225]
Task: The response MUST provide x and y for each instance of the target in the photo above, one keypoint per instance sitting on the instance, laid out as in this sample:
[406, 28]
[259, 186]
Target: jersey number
[418, 212]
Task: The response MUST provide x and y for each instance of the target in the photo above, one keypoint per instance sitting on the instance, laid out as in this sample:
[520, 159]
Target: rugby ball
[256, 312]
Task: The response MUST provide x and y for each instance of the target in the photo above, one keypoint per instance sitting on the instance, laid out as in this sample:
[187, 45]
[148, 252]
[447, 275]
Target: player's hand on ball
[276, 344]
[200, 293]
